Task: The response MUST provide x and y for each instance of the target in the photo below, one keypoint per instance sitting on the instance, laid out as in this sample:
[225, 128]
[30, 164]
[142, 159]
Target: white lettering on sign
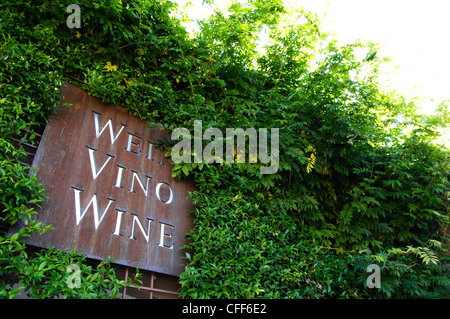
[118, 222]
[140, 185]
[119, 176]
[79, 216]
[138, 222]
[136, 177]
[165, 234]
[95, 173]
[158, 189]
[98, 133]
[134, 144]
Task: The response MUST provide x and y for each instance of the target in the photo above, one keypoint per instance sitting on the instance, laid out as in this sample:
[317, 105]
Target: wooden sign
[110, 189]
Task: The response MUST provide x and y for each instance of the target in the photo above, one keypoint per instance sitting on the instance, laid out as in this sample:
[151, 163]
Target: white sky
[415, 34]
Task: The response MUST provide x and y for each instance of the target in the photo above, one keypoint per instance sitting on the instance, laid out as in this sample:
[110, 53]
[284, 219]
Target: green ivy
[360, 176]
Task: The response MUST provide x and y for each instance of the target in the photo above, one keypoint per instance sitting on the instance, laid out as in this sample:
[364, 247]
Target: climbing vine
[355, 185]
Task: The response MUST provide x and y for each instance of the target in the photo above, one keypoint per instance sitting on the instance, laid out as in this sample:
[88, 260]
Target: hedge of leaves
[360, 180]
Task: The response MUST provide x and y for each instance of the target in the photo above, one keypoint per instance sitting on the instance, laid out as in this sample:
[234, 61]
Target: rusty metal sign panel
[110, 189]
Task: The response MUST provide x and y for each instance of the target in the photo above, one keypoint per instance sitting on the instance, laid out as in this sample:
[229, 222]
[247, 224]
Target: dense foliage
[360, 180]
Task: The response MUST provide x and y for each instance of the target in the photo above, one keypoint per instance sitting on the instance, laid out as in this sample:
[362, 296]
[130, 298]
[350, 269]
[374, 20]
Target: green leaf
[185, 170]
